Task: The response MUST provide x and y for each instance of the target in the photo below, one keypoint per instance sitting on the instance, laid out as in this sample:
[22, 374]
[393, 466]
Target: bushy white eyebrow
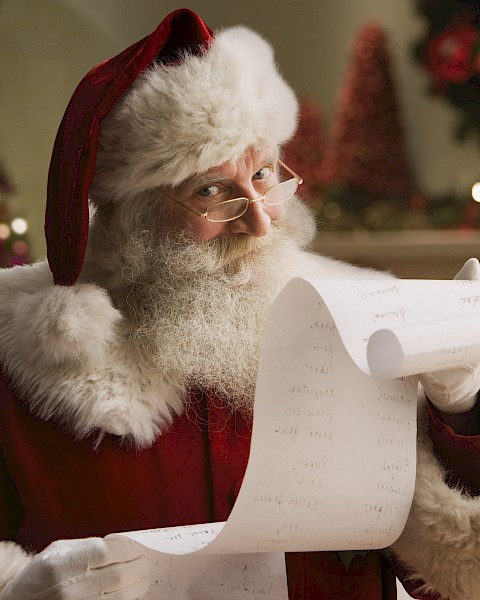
[202, 179]
[205, 179]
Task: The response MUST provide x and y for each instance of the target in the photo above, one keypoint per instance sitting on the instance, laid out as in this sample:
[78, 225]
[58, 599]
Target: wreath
[450, 53]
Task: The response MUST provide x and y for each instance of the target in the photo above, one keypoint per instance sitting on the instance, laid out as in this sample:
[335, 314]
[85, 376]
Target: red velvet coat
[54, 487]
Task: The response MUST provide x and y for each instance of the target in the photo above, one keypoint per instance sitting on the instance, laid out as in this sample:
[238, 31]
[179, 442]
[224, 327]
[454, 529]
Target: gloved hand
[455, 390]
[83, 569]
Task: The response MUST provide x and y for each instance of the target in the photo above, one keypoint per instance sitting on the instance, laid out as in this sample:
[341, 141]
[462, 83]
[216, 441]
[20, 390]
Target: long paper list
[332, 463]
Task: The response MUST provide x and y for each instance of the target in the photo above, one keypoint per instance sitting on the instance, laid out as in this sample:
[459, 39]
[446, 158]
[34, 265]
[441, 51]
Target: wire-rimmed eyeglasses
[229, 210]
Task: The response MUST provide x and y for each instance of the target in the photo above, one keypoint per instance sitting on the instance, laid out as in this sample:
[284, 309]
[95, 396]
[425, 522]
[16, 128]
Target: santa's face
[197, 309]
[195, 294]
[249, 177]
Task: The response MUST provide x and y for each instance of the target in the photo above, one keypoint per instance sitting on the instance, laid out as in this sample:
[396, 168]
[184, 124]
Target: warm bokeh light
[4, 231]
[476, 191]
[20, 247]
[19, 226]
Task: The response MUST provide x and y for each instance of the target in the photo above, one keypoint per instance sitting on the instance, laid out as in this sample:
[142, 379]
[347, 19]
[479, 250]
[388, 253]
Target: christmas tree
[304, 152]
[365, 169]
[13, 243]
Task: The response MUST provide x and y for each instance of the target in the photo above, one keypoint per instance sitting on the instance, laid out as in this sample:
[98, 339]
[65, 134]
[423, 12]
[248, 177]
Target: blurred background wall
[46, 46]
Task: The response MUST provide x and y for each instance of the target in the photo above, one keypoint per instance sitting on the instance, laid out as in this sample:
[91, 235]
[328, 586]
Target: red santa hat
[178, 102]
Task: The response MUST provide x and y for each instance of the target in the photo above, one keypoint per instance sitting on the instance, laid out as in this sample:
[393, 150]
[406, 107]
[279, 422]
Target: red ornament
[418, 202]
[452, 55]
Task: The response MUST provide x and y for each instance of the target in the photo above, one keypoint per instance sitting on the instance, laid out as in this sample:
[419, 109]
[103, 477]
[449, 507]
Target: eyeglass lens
[227, 211]
[281, 192]
[232, 209]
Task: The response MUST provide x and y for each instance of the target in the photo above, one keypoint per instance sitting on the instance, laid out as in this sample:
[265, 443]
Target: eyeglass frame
[249, 200]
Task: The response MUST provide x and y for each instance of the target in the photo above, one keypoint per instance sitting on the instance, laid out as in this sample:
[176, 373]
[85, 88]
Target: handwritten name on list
[332, 461]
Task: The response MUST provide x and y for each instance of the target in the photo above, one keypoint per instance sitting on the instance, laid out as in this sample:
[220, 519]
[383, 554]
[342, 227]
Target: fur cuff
[440, 544]
[13, 559]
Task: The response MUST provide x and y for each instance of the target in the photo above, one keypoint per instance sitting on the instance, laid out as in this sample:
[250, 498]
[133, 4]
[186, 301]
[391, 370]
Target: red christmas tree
[366, 154]
[304, 152]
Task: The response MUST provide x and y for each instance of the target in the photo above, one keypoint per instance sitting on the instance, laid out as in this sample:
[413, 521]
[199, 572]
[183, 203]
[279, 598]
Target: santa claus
[127, 382]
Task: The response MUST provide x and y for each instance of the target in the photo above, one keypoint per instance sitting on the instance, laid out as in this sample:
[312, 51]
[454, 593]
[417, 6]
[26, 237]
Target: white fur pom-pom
[63, 355]
[65, 324]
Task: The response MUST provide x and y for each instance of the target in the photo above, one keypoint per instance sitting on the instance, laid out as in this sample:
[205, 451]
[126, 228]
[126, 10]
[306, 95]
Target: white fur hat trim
[186, 118]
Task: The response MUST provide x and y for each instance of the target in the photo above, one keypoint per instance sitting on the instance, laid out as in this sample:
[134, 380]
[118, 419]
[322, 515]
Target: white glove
[83, 569]
[455, 390]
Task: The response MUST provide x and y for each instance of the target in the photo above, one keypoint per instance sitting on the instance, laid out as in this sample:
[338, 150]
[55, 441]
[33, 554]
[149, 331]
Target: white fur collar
[65, 350]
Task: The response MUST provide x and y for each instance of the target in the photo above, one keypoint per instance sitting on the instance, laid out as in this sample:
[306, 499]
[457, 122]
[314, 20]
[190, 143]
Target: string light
[20, 247]
[476, 191]
[4, 231]
[19, 226]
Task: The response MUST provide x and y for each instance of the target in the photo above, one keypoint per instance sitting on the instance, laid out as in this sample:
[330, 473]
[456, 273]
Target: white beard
[197, 310]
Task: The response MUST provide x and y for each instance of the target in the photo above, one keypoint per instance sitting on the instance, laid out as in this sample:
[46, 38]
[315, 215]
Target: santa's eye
[208, 190]
[263, 173]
